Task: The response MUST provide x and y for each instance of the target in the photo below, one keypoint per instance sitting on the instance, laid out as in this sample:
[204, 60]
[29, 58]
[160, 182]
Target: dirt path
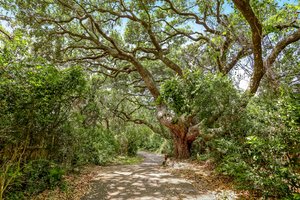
[148, 180]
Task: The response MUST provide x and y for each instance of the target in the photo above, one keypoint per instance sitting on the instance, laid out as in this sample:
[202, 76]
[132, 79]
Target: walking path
[146, 181]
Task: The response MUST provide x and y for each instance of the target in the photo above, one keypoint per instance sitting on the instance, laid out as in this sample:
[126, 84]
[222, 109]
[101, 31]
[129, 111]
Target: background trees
[177, 61]
[54, 119]
[146, 40]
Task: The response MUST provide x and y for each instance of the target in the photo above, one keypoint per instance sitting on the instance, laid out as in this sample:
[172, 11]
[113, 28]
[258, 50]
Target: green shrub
[91, 145]
[139, 137]
[262, 149]
[36, 176]
[39, 175]
[130, 141]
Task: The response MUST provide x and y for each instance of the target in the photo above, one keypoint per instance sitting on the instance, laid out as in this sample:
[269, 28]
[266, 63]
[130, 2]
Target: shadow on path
[140, 182]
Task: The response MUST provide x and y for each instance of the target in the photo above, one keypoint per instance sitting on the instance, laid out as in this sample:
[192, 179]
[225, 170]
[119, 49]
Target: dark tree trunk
[183, 132]
[181, 148]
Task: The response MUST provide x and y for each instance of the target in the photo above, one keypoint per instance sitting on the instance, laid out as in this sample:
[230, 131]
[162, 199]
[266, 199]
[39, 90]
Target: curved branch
[195, 17]
[5, 34]
[294, 37]
[256, 29]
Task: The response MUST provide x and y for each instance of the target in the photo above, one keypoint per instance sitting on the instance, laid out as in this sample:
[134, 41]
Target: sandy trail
[149, 180]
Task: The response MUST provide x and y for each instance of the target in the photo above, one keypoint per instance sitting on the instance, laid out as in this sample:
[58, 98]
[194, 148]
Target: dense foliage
[257, 144]
[51, 122]
[262, 148]
[263, 154]
[85, 82]
[201, 94]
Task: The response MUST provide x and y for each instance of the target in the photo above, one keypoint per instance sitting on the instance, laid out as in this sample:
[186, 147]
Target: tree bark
[184, 132]
[181, 147]
[256, 29]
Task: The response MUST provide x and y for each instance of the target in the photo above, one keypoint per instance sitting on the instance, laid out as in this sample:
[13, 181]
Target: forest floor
[177, 180]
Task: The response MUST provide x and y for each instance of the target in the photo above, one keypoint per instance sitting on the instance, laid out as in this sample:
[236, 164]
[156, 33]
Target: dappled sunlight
[139, 182]
[149, 180]
[146, 181]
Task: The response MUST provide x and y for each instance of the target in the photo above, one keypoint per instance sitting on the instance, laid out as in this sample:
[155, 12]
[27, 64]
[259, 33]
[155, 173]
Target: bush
[261, 150]
[36, 100]
[35, 104]
[129, 141]
[88, 145]
[138, 137]
[36, 176]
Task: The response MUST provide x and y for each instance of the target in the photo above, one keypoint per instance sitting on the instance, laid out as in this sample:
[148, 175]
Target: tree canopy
[171, 65]
[152, 41]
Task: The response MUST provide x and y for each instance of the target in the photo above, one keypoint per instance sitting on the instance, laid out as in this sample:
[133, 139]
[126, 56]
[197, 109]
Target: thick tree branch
[256, 29]
[294, 37]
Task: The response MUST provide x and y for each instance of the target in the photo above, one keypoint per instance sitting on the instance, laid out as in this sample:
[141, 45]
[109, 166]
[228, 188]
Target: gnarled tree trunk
[184, 132]
[181, 147]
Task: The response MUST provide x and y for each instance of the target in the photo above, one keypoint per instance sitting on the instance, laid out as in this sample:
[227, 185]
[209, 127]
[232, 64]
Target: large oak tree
[152, 40]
